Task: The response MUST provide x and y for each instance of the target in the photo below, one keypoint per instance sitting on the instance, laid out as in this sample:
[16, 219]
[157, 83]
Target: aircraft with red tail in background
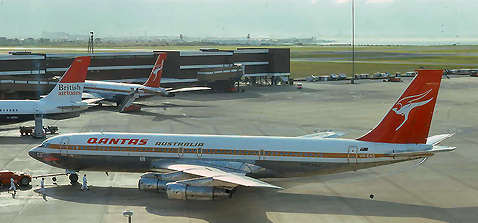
[125, 94]
[210, 167]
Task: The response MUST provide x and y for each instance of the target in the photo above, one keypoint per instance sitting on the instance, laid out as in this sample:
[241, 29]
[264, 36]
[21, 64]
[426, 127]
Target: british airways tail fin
[408, 121]
[155, 76]
[70, 86]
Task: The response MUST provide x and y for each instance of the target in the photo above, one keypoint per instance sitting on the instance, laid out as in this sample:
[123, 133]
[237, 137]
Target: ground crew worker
[84, 186]
[42, 186]
[12, 186]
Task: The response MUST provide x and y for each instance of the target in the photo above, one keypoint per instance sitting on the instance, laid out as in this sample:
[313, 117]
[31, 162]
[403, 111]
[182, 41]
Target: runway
[443, 189]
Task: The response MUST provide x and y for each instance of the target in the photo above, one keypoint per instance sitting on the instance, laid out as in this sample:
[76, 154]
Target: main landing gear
[73, 178]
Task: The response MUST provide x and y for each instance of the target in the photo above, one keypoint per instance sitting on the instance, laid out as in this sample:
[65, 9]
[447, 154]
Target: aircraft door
[180, 152]
[352, 154]
[64, 143]
[261, 154]
[364, 155]
[199, 152]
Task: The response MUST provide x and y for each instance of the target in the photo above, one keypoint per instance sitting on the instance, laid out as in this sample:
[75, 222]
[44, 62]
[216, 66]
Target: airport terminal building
[33, 74]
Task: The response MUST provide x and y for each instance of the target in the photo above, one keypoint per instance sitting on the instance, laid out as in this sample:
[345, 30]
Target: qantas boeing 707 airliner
[209, 167]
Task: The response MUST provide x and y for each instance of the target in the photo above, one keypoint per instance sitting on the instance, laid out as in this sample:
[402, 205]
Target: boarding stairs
[128, 101]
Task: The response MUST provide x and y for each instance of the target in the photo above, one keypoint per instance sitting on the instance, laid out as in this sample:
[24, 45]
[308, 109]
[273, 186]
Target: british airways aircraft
[64, 98]
[124, 94]
[210, 167]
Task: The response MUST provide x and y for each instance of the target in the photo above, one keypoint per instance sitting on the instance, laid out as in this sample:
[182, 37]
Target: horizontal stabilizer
[328, 134]
[189, 89]
[439, 149]
[436, 139]
[422, 154]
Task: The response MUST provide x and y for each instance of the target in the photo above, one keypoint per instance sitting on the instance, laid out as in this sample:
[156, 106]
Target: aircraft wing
[171, 91]
[220, 175]
[328, 134]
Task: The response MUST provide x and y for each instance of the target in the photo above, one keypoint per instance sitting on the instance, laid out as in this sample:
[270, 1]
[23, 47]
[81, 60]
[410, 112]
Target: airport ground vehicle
[299, 85]
[392, 79]
[210, 167]
[21, 179]
[28, 130]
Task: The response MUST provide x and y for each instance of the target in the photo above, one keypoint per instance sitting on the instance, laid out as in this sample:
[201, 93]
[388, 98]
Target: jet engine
[154, 184]
[158, 181]
[180, 185]
[182, 191]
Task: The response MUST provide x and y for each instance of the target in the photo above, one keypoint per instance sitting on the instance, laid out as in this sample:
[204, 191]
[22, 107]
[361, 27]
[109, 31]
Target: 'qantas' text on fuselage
[116, 141]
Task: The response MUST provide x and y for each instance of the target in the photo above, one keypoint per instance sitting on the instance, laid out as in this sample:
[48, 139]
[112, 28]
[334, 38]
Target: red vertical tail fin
[408, 121]
[70, 87]
[155, 76]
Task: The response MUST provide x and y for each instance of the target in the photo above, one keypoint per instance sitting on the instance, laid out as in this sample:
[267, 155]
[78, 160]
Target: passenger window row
[8, 109]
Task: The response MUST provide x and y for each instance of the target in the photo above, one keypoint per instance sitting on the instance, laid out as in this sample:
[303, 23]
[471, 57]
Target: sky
[323, 19]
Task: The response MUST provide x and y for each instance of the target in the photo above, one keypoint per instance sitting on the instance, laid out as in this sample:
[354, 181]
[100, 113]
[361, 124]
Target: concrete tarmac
[443, 189]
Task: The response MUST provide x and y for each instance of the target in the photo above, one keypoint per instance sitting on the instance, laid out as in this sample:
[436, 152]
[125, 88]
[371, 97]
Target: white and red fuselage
[113, 91]
[258, 155]
[117, 92]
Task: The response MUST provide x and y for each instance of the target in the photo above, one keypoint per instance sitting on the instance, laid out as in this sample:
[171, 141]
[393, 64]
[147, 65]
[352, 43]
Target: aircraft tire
[25, 181]
[73, 178]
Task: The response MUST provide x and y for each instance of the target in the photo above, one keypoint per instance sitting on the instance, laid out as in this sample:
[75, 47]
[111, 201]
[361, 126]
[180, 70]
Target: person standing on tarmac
[42, 186]
[84, 186]
[12, 187]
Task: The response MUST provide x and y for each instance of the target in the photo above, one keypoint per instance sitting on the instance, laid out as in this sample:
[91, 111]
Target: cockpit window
[44, 144]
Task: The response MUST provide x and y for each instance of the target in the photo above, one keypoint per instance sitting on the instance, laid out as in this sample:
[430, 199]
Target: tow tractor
[21, 179]
[29, 130]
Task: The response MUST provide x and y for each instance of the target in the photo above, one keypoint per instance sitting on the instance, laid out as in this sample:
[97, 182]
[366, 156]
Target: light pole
[352, 81]
[91, 43]
[128, 213]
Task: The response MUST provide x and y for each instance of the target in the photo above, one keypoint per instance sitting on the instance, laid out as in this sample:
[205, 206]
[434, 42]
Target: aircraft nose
[34, 152]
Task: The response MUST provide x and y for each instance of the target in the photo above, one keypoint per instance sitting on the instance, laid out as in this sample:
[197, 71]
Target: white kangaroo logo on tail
[157, 69]
[409, 103]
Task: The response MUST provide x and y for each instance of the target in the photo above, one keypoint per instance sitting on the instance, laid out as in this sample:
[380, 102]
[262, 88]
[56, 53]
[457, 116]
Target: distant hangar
[22, 73]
